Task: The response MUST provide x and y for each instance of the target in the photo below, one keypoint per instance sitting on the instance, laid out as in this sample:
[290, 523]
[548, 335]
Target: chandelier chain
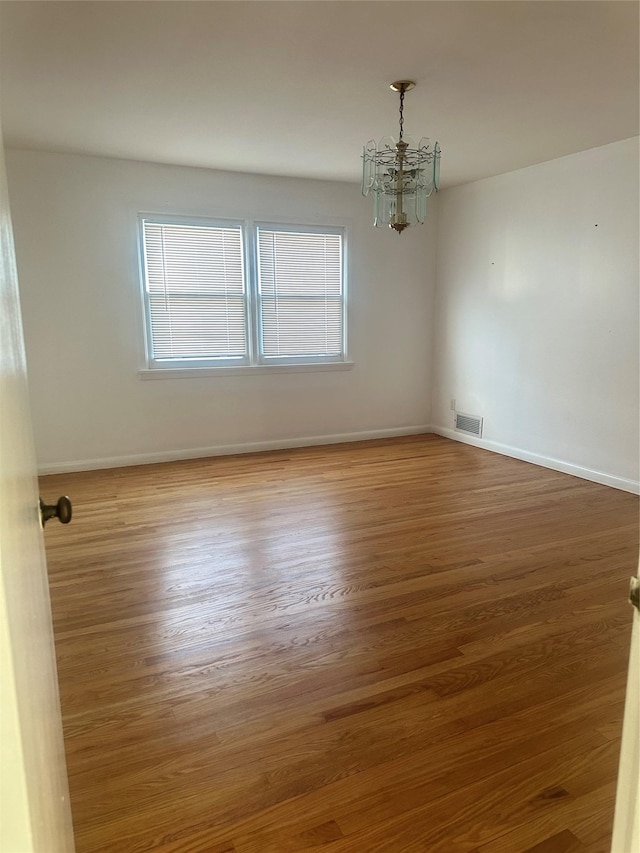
[401, 112]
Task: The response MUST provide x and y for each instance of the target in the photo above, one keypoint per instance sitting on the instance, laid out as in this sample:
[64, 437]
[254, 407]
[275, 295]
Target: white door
[626, 824]
[34, 800]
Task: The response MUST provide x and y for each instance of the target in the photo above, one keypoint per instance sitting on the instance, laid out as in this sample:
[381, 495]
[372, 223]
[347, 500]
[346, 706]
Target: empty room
[319, 440]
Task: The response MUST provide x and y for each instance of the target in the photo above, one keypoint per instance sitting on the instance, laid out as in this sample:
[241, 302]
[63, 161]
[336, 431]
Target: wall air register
[471, 424]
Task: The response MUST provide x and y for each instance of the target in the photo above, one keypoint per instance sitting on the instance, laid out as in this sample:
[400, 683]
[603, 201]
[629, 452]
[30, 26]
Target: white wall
[537, 312]
[75, 232]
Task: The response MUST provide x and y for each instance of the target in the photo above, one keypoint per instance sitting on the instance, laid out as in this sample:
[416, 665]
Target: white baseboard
[224, 450]
[544, 461]
[622, 483]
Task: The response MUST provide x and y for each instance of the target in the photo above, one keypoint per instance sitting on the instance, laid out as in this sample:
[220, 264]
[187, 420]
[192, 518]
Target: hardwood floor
[402, 645]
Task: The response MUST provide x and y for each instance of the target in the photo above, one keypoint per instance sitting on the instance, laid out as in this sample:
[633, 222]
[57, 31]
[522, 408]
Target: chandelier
[401, 175]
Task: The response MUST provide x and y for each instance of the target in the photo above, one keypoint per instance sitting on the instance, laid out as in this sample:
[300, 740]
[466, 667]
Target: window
[220, 294]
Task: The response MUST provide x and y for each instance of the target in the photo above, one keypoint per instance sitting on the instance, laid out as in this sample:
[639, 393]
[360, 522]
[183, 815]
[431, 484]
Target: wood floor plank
[398, 645]
[588, 813]
[561, 842]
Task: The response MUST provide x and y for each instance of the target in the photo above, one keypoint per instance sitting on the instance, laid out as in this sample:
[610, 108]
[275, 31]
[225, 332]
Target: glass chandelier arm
[436, 167]
[369, 153]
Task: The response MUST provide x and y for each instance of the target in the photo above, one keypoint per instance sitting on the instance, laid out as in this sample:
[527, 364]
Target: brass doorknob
[61, 510]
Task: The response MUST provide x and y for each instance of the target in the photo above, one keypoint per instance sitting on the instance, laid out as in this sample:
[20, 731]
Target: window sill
[245, 370]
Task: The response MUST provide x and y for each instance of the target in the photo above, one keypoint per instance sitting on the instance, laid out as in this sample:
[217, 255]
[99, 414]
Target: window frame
[274, 361]
[255, 360]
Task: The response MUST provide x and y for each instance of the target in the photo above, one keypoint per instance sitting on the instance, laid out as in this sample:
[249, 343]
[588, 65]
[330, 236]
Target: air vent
[469, 423]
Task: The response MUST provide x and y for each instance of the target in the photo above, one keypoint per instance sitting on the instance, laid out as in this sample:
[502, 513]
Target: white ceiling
[296, 88]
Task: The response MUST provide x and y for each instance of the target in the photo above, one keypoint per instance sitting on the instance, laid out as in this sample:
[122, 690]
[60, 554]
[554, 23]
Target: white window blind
[300, 286]
[195, 292]
[225, 293]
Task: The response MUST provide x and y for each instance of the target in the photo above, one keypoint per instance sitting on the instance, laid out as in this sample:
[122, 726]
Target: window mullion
[251, 275]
